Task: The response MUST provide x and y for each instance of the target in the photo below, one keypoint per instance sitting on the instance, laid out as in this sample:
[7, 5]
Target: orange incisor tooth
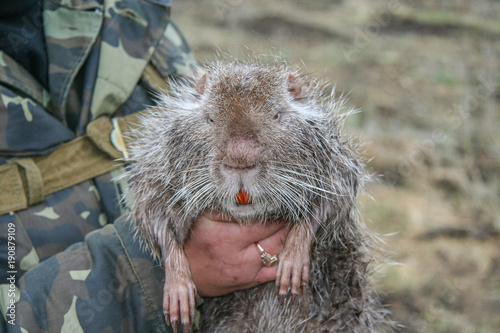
[243, 198]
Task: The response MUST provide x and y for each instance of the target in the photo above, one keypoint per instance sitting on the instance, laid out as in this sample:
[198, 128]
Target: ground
[426, 77]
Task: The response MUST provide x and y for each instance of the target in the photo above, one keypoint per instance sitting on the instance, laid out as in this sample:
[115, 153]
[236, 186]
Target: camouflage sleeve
[105, 284]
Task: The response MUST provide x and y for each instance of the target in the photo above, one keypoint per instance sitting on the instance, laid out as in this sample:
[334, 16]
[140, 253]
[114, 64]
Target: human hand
[223, 256]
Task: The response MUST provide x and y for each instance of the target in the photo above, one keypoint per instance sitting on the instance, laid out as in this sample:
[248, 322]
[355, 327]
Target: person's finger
[259, 232]
[266, 274]
[274, 243]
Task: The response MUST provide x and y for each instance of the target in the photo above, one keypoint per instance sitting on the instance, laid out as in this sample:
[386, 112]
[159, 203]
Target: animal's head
[250, 140]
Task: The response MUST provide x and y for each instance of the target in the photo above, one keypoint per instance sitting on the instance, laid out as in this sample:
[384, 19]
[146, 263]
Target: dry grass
[426, 75]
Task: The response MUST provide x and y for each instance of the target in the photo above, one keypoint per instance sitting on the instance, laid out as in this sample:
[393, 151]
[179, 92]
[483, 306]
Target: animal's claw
[292, 276]
[178, 303]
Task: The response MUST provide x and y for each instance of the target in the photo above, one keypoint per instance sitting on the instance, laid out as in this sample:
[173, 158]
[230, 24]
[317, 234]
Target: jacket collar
[124, 54]
[72, 28]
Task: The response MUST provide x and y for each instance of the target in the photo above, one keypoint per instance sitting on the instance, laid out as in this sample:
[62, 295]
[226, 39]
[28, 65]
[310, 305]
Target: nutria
[258, 142]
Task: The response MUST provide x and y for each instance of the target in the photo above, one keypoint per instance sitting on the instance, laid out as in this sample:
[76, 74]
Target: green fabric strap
[26, 181]
[34, 180]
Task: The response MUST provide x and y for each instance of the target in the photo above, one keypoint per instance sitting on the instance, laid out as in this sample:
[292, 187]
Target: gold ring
[267, 259]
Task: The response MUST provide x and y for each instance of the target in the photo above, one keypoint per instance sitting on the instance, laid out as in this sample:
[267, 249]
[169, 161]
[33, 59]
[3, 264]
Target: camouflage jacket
[106, 284]
[106, 58]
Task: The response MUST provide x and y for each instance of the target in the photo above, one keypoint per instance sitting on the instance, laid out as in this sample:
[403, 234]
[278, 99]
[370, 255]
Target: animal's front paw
[179, 301]
[293, 274]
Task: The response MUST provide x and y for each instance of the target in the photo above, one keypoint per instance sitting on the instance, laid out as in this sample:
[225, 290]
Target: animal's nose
[242, 153]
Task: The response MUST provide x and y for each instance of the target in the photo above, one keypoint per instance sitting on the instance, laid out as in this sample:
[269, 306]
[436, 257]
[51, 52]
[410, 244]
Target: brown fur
[272, 132]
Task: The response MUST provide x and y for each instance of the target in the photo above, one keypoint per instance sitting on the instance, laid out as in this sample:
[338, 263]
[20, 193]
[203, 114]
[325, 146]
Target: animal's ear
[294, 86]
[200, 86]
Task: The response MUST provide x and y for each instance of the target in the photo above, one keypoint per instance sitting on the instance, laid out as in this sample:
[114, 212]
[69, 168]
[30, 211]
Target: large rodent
[271, 135]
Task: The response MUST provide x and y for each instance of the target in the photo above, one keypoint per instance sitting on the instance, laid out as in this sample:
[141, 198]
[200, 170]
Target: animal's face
[256, 131]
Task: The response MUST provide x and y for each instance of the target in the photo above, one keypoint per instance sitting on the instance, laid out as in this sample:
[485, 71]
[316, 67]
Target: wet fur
[308, 173]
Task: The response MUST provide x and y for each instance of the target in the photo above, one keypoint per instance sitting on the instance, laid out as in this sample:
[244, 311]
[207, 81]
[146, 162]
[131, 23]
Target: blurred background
[426, 76]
